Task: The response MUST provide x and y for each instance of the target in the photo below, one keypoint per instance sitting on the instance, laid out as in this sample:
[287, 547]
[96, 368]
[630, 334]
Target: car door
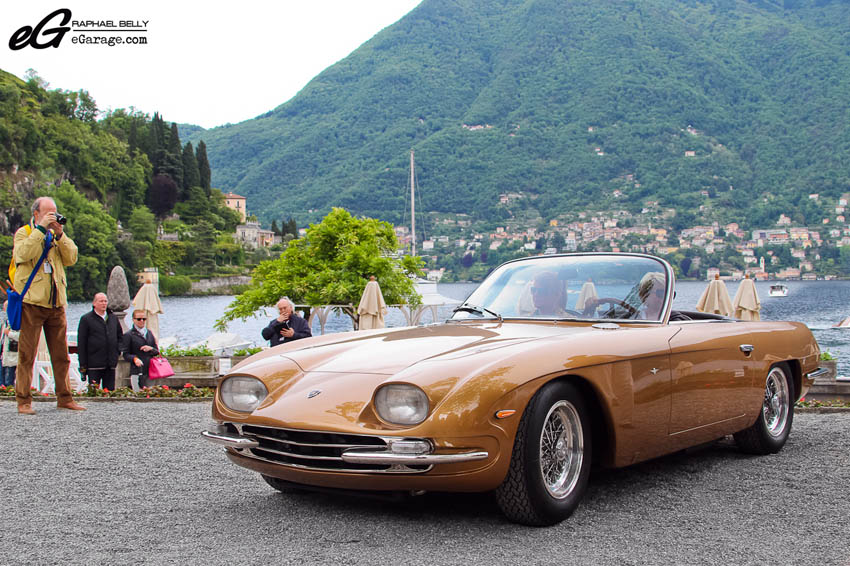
[711, 373]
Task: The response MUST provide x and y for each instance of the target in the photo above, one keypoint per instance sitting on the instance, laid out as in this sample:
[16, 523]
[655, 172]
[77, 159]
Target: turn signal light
[504, 413]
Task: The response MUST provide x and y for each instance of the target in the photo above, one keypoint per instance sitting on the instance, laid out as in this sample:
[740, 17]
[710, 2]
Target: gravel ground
[131, 483]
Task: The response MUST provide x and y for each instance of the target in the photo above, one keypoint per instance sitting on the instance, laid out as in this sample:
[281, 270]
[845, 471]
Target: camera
[61, 219]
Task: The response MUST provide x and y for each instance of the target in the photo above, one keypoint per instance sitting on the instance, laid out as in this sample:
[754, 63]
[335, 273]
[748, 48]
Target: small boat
[778, 290]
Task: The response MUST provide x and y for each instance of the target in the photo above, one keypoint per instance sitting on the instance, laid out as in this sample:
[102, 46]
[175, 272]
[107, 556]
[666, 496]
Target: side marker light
[505, 413]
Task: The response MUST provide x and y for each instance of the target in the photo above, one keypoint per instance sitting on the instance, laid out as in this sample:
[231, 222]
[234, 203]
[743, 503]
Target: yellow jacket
[29, 245]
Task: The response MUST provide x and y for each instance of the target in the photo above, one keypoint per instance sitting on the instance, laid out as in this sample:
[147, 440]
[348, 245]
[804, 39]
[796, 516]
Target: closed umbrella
[587, 293]
[372, 307]
[147, 299]
[715, 299]
[746, 302]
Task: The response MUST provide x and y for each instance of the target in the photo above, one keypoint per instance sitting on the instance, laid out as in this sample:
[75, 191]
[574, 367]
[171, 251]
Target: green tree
[203, 166]
[191, 175]
[331, 265]
[142, 224]
[205, 239]
[173, 163]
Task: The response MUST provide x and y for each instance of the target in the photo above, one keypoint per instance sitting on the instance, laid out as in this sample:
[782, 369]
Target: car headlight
[242, 393]
[402, 404]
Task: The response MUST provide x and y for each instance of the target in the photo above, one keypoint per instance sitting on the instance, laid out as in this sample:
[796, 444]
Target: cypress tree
[275, 228]
[191, 175]
[155, 148]
[174, 140]
[290, 227]
[173, 166]
[203, 166]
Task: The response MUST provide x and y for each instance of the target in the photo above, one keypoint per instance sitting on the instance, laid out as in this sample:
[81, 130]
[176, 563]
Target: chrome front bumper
[820, 372]
[398, 451]
[229, 440]
[359, 456]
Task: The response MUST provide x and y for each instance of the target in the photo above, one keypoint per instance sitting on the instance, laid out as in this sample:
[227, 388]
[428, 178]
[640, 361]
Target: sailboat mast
[412, 207]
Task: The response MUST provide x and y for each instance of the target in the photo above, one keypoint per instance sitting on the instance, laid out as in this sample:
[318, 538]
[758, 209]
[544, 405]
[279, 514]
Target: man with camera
[44, 303]
[288, 326]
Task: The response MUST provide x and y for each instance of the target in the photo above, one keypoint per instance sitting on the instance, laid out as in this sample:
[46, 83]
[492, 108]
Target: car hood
[387, 352]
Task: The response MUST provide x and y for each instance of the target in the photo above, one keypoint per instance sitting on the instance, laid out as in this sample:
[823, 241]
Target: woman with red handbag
[138, 346]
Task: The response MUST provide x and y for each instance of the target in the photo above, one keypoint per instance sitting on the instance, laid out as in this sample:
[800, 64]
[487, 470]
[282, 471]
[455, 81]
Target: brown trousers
[33, 319]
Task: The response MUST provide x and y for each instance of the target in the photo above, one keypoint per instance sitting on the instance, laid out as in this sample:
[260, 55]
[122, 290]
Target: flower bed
[157, 391]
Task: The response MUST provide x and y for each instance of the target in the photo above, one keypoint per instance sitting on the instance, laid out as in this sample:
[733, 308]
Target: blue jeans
[7, 376]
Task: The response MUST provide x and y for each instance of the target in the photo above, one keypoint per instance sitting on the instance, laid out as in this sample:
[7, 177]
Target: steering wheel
[593, 305]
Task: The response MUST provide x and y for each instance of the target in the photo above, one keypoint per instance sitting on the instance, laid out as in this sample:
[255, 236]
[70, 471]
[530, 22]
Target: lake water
[819, 304]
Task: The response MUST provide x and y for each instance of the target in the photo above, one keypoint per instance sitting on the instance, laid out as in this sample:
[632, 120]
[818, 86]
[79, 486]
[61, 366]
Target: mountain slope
[568, 100]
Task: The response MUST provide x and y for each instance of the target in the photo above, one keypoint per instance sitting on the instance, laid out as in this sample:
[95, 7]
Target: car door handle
[747, 348]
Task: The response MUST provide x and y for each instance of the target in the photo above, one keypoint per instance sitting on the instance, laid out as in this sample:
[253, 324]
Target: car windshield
[580, 286]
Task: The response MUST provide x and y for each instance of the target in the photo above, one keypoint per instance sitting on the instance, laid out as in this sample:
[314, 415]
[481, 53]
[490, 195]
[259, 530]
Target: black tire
[282, 486]
[529, 495]
[773, 425]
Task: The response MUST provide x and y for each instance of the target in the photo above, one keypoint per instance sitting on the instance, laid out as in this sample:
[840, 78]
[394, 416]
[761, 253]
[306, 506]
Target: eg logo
[28, 35]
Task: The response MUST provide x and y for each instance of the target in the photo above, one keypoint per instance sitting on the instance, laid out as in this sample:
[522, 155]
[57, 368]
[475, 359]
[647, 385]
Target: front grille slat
[315, 450]
[302, 456]
[293, 443]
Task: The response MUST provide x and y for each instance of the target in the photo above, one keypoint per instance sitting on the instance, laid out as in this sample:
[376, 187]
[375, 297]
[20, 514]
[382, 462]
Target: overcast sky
[205, 63]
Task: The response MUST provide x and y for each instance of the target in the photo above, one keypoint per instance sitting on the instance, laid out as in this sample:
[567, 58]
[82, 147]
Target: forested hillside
[117, 178]
[566, 100]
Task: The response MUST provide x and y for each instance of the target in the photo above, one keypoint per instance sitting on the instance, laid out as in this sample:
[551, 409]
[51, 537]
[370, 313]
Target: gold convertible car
[554, 364]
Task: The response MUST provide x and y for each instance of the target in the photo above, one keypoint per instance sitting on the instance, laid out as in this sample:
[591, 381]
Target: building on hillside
[237, 203]
[255, 237]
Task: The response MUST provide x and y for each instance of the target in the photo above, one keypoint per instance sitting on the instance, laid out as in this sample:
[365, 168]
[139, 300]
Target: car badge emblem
[313, 393]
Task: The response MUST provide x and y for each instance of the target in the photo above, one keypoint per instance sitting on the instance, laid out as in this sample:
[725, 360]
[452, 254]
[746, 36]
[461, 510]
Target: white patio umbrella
[372, 308]
[715, 299]
[587, 293]
[147, 299]
[746, 302]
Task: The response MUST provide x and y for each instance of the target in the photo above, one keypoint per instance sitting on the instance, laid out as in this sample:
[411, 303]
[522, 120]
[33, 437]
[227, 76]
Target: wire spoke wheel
[769, 432]
[777, 400]
[561, 449]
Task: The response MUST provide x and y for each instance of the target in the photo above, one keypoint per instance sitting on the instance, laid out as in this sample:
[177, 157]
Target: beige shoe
[72, 406]
[25, 410]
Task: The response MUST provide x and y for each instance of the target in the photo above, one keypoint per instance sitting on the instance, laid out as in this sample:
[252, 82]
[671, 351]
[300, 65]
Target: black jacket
[131, 347]
[295, 322]
[98, 340]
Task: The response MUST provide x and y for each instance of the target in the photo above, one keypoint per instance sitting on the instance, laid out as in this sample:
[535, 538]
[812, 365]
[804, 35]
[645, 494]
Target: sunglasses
[140, 319]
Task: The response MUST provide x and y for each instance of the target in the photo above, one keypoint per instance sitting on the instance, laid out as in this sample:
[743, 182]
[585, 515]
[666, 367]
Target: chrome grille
[315, 450]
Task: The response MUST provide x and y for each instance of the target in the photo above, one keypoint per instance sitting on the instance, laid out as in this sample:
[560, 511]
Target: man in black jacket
[98, 337]
[288, 326]
[138, 347]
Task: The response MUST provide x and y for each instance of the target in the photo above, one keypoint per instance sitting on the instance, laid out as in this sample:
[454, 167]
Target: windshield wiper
[477, 310]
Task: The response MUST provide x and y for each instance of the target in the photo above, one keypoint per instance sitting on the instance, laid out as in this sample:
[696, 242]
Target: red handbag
[159, 368]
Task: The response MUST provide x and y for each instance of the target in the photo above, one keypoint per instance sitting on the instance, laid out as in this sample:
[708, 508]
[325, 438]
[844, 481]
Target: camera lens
[61, 219]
